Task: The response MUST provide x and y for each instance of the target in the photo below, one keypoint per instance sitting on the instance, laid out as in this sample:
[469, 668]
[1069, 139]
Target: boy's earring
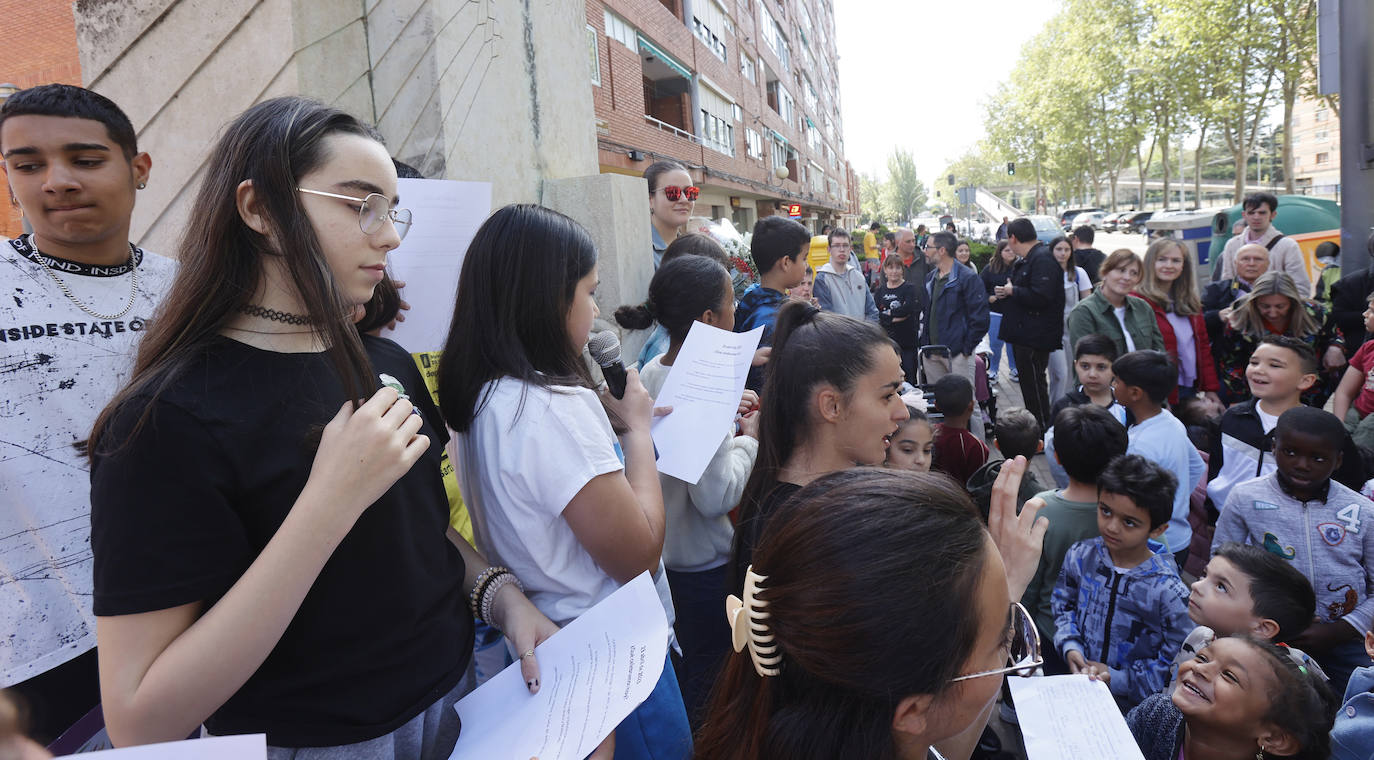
[142, 185]
[1260, 755]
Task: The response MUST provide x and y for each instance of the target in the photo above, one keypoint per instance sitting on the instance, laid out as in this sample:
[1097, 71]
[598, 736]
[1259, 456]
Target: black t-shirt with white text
[901, 301]
[183, 505]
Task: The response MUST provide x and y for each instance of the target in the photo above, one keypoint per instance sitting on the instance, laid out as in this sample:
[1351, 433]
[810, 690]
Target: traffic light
[951, 179]
[1011, 167]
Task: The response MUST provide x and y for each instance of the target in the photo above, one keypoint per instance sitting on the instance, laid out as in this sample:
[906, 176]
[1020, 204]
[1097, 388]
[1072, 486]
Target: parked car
[1113, 221]
[1066, 218]
[1046, 227]
[1089, 218]
[1135, 222]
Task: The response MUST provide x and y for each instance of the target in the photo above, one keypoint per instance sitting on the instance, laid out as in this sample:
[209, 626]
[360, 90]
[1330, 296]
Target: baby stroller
[934, 362]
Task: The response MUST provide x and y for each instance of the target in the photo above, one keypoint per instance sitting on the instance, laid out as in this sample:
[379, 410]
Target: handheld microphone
[605, 350]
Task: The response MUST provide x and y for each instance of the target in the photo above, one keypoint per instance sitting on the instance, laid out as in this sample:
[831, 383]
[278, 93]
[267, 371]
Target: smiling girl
[1239, 699]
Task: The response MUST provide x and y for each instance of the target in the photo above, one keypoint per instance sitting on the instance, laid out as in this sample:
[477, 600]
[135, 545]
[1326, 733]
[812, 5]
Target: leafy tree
[903, 193]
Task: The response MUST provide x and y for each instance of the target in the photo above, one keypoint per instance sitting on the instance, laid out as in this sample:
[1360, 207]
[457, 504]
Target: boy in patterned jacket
[1120, 609]
[1326, 530]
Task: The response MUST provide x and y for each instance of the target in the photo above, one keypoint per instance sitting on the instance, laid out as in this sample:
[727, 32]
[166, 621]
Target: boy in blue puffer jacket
[1120, 608]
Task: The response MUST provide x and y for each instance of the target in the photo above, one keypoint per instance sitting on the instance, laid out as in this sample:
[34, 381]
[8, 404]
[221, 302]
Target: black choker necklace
[274, 315]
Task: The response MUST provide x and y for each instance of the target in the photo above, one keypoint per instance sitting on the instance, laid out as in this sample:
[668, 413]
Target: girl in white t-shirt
[1077, 286]
[696, 552]
[555, 494]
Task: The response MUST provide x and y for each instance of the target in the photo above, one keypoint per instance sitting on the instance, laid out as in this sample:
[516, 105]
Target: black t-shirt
[1091, 260]
[183, 507]
[749, 530]
[900, 301]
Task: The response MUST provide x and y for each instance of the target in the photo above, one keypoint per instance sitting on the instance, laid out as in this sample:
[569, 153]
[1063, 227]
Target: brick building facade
[745, 93]
[46, 54]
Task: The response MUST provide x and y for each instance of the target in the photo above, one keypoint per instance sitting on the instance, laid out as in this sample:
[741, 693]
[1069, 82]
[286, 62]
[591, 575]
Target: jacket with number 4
[1133, 622]
[1330, 541]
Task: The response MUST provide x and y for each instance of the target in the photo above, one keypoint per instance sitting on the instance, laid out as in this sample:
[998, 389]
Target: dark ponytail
[682, 289]
[861, 620]
[810, 348]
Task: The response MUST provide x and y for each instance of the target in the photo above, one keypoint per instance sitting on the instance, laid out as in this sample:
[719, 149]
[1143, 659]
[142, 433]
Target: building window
[709, 23]
[595, 52]
[739, 112]
[754, 143]
[746, 66]
[779, 153]
[620, 30]
[1319, 135]
[1323, 158]
[1322, 114]
[717, 129]
[817, 177]
[787, 107]
[774, 38]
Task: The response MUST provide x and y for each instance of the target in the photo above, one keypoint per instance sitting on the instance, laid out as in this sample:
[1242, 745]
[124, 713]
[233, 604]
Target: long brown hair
[861, 619]
[274, 144]
[1245, 314]
[1182, 296]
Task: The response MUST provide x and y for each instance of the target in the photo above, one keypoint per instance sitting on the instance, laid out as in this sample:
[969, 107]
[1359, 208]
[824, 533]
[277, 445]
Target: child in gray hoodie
[1325, 529]
[840, 286]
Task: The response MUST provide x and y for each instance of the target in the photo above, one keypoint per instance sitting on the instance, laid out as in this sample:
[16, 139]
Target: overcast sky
[890, 95]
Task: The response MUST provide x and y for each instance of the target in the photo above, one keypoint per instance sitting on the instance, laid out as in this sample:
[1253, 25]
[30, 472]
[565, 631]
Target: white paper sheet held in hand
[241, 747]
[1071, 718]
[446, 214]
[592, 673]
[703, 388]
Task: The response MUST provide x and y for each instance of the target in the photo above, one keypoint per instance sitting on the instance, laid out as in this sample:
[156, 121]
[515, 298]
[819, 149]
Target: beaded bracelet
[497, 581]
[474, 598]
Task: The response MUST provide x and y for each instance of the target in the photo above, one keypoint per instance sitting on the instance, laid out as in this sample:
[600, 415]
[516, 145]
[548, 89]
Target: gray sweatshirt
[845, 292]
[697, 533]
[1331, 542]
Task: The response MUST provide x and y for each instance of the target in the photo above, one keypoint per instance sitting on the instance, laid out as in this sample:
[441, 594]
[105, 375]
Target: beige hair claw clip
[749, 625]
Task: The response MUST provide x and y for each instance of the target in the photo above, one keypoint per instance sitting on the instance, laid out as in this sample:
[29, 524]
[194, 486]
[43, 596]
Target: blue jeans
[657, 729]
[995, 322]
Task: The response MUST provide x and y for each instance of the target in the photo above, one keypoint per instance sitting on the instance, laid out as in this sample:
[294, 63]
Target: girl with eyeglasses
[269, 525]
[882, 624]
[672, 196]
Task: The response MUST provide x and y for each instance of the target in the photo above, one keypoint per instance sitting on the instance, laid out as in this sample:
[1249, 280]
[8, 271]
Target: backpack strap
[1270, 245]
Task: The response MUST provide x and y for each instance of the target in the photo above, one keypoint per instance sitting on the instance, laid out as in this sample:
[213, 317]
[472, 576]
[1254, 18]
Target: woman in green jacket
[1112, 311]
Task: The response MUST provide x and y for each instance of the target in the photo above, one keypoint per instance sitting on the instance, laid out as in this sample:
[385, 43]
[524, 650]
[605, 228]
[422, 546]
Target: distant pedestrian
[1033, 315]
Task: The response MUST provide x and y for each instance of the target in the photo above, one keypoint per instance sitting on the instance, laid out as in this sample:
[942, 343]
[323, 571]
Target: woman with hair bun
[850, 643]
[697, 536]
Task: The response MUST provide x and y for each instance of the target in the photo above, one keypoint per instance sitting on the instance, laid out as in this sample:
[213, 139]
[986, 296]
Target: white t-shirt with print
[529, 451]
[59, 366]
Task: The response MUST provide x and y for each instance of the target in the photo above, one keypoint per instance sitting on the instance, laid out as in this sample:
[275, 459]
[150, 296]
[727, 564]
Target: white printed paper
[593, 674]
[240, 747]
[445, 215]
[703, 387]
[1071, 718]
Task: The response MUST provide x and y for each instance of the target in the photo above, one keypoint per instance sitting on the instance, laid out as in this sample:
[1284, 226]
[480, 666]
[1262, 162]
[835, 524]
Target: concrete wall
[489, 90]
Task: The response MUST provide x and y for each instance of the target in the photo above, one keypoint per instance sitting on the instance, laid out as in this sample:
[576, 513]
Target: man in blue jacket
[1033, 316]
[956, 306]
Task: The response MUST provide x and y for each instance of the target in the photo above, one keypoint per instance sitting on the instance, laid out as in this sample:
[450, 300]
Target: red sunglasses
[673, 192]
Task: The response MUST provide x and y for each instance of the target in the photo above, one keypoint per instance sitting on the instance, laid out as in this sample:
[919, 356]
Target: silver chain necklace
[133, 292]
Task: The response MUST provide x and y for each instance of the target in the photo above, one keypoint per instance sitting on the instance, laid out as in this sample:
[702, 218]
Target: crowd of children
[1273, 486]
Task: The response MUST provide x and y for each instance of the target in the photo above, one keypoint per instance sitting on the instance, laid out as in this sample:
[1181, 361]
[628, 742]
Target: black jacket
[1034, 315]
[1091, 260]
[1348, 299]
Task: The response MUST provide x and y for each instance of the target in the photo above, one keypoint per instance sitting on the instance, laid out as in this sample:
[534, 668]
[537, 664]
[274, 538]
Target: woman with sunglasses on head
[269, 525]
[671, 199]
[849, 644]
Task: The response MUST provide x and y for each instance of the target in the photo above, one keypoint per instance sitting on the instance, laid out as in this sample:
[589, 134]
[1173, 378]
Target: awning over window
[779, 137]
[668, 60]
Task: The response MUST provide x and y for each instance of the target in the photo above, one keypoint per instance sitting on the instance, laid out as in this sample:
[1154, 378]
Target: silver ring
[527, 654]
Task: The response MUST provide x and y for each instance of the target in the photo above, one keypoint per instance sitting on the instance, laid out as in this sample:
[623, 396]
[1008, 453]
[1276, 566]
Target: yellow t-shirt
[870, 245]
